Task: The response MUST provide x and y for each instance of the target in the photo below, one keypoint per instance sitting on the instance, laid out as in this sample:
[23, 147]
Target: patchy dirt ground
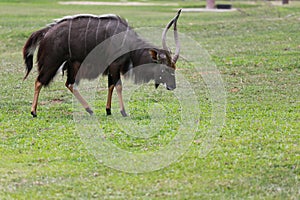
[117, 3]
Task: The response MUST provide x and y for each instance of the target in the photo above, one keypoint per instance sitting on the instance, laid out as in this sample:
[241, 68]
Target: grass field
[255, 156]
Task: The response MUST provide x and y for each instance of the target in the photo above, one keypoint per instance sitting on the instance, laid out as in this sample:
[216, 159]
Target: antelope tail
[30, 46]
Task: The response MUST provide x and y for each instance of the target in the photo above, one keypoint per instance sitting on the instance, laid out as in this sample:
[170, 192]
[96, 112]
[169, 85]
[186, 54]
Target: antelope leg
[109, 98]
[119, 92]
[79, 98]
[37, 88]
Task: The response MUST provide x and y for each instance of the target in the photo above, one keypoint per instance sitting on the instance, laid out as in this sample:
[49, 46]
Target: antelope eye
[163, 56]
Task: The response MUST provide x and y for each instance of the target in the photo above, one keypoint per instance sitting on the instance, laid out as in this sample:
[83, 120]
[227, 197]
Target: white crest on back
[69, 17]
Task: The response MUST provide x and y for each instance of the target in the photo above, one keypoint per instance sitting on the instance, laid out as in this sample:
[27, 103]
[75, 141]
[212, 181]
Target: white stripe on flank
[99, 22]
[106, 29]
[125, 36]
[116, 27]
[69, 38]
[85, 35]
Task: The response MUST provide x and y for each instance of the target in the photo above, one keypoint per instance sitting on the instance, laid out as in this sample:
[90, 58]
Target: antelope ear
[153, 53]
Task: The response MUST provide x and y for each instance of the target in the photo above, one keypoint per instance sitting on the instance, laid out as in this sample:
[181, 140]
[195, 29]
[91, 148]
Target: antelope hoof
[89, 111]
[123, 113]
[33, 114]
[108, 111]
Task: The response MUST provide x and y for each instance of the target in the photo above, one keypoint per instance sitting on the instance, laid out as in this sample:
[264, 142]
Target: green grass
[256, 155]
